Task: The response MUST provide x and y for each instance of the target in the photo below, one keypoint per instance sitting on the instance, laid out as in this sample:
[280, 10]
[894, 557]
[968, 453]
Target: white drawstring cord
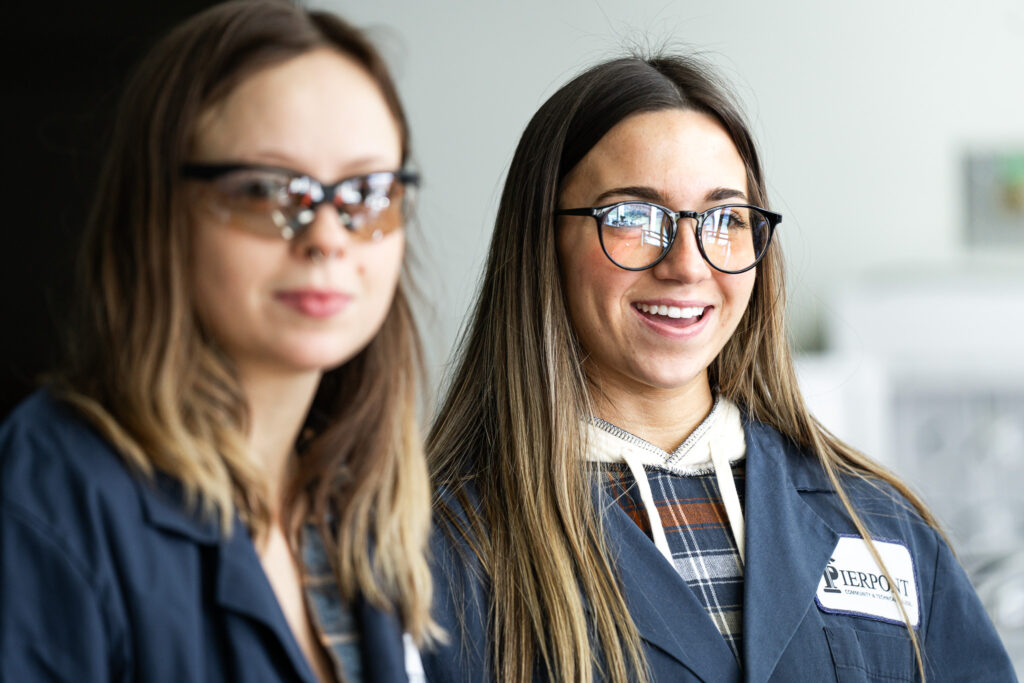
[718, 447]
[653, 516]
[730, 497]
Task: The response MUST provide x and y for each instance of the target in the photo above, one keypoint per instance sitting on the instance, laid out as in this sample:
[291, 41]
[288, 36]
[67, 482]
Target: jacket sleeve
[53, 624]
[960, 643]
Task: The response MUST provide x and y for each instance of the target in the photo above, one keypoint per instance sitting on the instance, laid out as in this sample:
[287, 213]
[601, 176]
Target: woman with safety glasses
[227, 482]
[630, 486]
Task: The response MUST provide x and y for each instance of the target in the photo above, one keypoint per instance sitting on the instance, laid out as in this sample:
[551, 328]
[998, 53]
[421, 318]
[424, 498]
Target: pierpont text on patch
[854, 584]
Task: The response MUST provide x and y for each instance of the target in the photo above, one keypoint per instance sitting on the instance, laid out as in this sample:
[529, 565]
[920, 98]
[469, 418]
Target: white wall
[862, 110]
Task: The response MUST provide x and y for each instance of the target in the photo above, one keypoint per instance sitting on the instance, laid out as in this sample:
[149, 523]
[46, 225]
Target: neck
[663, 417]
[278, 404]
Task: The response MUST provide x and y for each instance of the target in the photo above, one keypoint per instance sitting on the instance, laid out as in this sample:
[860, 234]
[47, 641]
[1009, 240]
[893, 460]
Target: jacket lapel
[243, 588]
[380, 641]
[666, 612]
[788, 546]
[240, 585]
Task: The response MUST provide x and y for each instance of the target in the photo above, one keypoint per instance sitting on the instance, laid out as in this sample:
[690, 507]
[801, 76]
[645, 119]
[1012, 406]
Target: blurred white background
[911, 339]
[862, 110]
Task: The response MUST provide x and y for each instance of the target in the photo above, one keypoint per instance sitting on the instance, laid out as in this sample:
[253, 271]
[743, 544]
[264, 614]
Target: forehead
[681, 154]
[320, 112]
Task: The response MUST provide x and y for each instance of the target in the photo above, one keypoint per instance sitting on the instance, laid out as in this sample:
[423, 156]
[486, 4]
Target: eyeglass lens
[277, 204]
[637, 234]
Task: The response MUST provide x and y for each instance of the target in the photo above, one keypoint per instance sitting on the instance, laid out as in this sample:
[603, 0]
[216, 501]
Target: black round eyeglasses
[637, 235]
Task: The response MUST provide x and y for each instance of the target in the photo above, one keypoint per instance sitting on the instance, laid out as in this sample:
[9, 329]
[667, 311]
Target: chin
[678, 378]
[328, 363]
[318, 357]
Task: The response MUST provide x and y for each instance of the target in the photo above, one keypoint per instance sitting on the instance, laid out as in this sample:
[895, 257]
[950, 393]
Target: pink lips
[314, 303]
[675, 328]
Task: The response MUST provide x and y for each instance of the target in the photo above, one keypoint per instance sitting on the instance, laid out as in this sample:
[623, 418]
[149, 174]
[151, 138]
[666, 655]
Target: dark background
[65, 63]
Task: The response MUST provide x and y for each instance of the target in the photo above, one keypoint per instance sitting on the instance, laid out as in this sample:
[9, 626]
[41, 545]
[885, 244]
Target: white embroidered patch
[853, 583]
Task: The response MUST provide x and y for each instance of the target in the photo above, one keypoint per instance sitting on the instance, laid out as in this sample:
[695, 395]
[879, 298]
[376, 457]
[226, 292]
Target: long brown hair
[144, 370]
[508, 443]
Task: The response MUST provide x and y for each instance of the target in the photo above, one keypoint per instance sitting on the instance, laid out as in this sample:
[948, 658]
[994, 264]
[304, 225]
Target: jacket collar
[380, 642]
[804, 471]
[788, 546]
[679, 626]
[165, 508]
[240, 584]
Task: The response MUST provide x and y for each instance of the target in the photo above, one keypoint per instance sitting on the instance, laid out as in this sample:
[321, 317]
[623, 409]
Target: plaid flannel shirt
[333, 620]
[704, 552]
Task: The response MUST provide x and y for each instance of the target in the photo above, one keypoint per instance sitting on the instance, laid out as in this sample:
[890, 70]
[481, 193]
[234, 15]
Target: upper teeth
[672, 311]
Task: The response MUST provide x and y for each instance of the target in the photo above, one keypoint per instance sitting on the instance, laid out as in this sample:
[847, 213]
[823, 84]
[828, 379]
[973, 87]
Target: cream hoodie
[714, 446]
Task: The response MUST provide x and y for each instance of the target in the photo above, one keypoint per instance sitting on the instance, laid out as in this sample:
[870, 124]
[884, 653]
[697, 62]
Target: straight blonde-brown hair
[506, 451]
[143, 369]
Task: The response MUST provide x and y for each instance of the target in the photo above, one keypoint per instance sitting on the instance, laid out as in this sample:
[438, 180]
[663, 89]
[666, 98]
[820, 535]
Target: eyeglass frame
[209, 171]
[599, 212]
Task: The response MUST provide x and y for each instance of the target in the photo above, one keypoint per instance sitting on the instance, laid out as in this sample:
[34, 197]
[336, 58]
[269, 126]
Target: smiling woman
[629, 484]
[226, 482]
[634, 347]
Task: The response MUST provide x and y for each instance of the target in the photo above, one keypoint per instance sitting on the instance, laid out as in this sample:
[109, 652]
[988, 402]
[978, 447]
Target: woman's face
[311, 303]
[683, 160]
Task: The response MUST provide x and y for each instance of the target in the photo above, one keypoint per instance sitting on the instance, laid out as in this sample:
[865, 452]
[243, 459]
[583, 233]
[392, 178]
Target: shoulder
[886, 512]
[888, 515]
[456, 535]
[65, 484]
[54, 463]
[461, 589]
[65, 499]
[459, 504]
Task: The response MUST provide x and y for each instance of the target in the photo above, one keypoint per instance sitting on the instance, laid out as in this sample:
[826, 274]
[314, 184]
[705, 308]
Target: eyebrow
[271, 159]
[720, 193]
[652, 195]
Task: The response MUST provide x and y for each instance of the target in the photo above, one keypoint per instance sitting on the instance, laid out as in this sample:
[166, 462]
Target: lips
[314, 303]
[673, 317]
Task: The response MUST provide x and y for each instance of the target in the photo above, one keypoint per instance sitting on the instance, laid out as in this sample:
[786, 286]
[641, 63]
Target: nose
[684, 261]
[326, 237]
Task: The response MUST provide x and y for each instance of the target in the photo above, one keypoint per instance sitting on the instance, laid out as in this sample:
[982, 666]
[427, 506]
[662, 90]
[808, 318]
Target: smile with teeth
[675, 312]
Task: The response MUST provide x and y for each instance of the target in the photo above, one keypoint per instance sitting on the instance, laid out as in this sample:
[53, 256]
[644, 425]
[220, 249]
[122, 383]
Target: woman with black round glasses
[226, 483]
[630, 486]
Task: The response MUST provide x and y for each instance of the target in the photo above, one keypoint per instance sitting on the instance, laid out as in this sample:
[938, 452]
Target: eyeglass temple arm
[210, 171]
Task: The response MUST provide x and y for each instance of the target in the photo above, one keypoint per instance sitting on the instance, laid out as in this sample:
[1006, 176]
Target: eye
[730, 218]
[374, 192]
[255, 190]
[260, 188]
[629, 216]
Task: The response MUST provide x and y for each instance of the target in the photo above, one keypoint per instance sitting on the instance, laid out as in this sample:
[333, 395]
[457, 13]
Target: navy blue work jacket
[106, 577]
[793, 521]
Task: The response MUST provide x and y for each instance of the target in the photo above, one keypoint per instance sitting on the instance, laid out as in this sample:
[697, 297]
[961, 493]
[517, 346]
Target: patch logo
[854, 584]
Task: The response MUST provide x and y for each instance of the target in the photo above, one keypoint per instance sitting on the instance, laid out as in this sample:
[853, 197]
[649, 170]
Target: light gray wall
[862, 110]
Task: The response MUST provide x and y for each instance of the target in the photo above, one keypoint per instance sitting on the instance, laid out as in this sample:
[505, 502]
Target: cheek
[738, 290]
[228, 272]
[382, 265]
[214, 278]
[217, 275]
[585, 274]
[596, 291]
